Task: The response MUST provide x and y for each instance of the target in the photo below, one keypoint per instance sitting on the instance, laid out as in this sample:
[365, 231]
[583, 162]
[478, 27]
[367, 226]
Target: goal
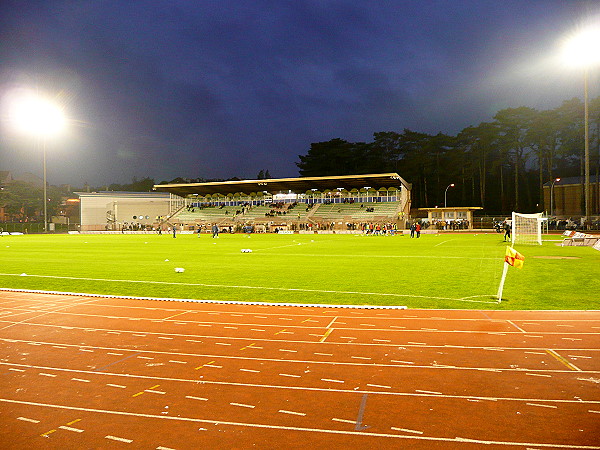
[527, 228]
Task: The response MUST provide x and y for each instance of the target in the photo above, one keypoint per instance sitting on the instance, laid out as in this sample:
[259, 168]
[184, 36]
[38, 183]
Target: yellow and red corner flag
[514, 258]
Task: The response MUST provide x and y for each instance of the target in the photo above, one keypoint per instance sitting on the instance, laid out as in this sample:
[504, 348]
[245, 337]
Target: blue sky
[222, 88]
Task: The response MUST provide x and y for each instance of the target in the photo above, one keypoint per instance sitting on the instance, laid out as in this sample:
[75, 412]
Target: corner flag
[511, 258]
[514, 258]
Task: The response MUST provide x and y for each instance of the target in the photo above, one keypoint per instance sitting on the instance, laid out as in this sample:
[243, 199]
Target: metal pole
[551, 199]
[45, 191]
[587, 145]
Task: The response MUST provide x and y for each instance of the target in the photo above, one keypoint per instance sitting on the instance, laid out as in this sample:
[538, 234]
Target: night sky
[218, 89]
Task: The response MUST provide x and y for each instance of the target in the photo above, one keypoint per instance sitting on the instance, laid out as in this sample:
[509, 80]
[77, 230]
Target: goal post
[527, 228]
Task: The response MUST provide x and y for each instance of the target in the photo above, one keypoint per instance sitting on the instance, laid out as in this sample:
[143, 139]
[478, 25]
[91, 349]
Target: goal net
[527, 228]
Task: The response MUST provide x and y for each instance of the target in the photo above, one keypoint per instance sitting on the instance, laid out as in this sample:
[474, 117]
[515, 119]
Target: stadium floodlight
[581, 50]
[446, 194]
[556, 180]
[34, 114]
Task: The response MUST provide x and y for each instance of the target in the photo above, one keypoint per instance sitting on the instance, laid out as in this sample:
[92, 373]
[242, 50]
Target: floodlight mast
[36, 115]
[582, 50]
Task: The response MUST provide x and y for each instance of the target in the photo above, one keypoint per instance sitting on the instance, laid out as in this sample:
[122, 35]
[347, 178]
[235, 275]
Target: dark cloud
[227, 88]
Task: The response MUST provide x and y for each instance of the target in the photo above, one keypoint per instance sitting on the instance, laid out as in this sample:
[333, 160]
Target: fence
[36, 227]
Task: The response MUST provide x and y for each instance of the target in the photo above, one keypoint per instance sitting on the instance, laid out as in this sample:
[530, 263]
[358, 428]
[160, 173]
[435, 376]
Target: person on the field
[215, 231]
[506, 231]
[418, 229]
[413, 227]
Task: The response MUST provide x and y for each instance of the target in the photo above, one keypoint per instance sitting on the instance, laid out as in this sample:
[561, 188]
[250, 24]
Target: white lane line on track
[26, 419]
[294, 413]
[119, 439]
[313, 430]
[406, 430]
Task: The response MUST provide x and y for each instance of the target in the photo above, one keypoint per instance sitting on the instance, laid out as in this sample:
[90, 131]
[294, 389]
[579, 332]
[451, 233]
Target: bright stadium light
[581, 50]
[36, 115]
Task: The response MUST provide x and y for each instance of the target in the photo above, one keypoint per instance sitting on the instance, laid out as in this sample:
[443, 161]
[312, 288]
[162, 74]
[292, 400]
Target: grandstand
[311, 203]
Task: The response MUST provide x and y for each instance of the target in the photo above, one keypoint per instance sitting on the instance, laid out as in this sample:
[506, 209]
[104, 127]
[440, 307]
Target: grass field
[435, 271]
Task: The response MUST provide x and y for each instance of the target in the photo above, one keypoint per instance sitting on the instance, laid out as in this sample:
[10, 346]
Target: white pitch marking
[86, 350]
[177, 362]
[324, 354]
[406, 430]
[360, 357]
[164, 448]
[332, 381]
[379, 386]
[579, 356]
[288, 375]
[80, 379]
[402, 362]
[196, 398]
[222, 343]
[47, 374]
[144, 357]
[571, 339]
[283, 411]
[16, 370]
[250, 370]
[114, 354]
[164, 337]
[211, 365]
[518, 327]
[538, 375]
[428, 392]
[115, 438]
[536, 353]
[592, 411]
[139, 335]
[193, 340]
[231, 328]
[242, 405]
[530, 336]
[58, 346]
[382, 340]
[116, 385]
[25, 419]
[417, 343]
[286, 350]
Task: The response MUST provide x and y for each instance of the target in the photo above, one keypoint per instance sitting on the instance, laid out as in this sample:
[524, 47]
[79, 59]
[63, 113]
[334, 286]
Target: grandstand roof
[298, 185]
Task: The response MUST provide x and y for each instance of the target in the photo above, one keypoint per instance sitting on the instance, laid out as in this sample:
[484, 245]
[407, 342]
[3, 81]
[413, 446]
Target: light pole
[36, 115]
[446, 194]
[582, 50]
[556, 180]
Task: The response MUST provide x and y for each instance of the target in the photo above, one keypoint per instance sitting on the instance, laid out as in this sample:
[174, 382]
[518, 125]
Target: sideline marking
[314, 430]
[270, 288]
[563, 360]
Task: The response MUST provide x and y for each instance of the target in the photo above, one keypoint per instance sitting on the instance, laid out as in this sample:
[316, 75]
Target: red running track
[93, 372]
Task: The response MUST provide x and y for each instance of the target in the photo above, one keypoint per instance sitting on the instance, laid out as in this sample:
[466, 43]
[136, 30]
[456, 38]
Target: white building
[114, 210]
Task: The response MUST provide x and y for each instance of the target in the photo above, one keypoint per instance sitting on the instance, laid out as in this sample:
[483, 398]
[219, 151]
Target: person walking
[418, 229]
[215, 231]
[507, 230]
[413, 227]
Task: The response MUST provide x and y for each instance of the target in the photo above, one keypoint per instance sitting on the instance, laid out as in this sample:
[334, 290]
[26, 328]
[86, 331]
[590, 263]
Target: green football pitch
[435, 271]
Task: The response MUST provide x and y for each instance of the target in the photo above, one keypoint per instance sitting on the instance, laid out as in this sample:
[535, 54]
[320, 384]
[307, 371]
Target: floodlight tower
[581, 50]
[38, 116]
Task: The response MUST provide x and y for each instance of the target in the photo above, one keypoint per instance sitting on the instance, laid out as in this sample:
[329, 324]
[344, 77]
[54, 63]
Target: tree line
[499, 165]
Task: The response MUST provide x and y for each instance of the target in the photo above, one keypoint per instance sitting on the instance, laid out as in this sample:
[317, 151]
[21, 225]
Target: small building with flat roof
[452, 216]
[112, 211]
